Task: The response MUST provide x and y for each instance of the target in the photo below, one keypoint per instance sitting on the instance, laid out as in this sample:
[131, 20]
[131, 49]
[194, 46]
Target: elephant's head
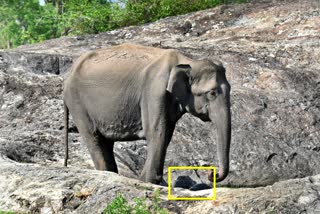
[204, 91]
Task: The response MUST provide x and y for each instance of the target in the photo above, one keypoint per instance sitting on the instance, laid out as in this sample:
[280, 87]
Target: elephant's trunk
[220, 114]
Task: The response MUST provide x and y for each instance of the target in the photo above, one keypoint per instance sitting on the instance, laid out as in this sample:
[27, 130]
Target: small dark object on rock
[185, 27]
[80, 38]
[200, 186]
[184, 182]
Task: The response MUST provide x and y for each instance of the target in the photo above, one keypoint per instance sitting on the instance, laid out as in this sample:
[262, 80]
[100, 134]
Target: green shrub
[24, 22]
[86, 16]
[120, 205]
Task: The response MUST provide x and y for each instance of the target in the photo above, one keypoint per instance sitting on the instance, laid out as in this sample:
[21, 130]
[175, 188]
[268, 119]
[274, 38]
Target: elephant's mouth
[203, 114]
[204, 117]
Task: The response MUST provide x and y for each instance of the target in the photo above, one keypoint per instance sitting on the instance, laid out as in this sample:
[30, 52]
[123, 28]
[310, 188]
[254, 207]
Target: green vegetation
[120, 205]
[25, 21]
[6, 212]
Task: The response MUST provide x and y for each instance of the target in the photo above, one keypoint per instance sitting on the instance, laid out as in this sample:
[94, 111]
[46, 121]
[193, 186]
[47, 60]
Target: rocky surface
[271, 51]
[33, 188]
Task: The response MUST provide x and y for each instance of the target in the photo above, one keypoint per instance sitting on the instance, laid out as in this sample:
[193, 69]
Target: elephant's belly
[123, 131]
[115, 113]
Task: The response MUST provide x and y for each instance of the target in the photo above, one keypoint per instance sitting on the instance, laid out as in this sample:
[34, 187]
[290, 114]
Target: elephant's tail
[66, 128]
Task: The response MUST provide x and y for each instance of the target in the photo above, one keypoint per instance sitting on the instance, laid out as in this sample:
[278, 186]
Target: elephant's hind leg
[106, 160]
[100, 149]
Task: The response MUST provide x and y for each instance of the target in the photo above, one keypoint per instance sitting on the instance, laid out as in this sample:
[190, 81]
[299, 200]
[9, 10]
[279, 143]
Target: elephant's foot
[163, 183]
[150, 177]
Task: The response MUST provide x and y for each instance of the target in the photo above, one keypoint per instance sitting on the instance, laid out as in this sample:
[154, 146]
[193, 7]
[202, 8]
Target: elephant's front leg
[156, 152]
[158, 135]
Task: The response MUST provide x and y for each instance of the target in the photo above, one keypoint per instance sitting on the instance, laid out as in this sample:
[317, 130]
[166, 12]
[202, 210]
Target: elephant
[129, 92]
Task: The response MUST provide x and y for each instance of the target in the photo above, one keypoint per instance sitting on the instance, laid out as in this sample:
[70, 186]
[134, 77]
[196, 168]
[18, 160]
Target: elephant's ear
[179, 80]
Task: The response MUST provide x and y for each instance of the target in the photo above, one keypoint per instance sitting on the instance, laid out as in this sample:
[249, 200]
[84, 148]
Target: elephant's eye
[211, 94]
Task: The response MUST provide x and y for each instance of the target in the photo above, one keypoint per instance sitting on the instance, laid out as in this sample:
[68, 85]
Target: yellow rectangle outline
[192, 167]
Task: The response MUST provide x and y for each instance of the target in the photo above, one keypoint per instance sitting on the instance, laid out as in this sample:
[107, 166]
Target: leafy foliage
[25, 21]
[120, 205]
[87, 16]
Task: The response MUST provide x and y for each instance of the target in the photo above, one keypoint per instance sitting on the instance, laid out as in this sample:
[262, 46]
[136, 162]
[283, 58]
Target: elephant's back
[124, 57]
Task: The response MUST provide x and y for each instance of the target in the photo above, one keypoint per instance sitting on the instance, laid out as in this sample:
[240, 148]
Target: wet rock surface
[271, 52]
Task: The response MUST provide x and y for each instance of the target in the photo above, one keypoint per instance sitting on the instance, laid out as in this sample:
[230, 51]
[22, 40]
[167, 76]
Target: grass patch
[120, 205]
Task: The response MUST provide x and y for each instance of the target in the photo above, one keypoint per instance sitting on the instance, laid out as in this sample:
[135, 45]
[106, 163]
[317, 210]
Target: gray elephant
[131, 92]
